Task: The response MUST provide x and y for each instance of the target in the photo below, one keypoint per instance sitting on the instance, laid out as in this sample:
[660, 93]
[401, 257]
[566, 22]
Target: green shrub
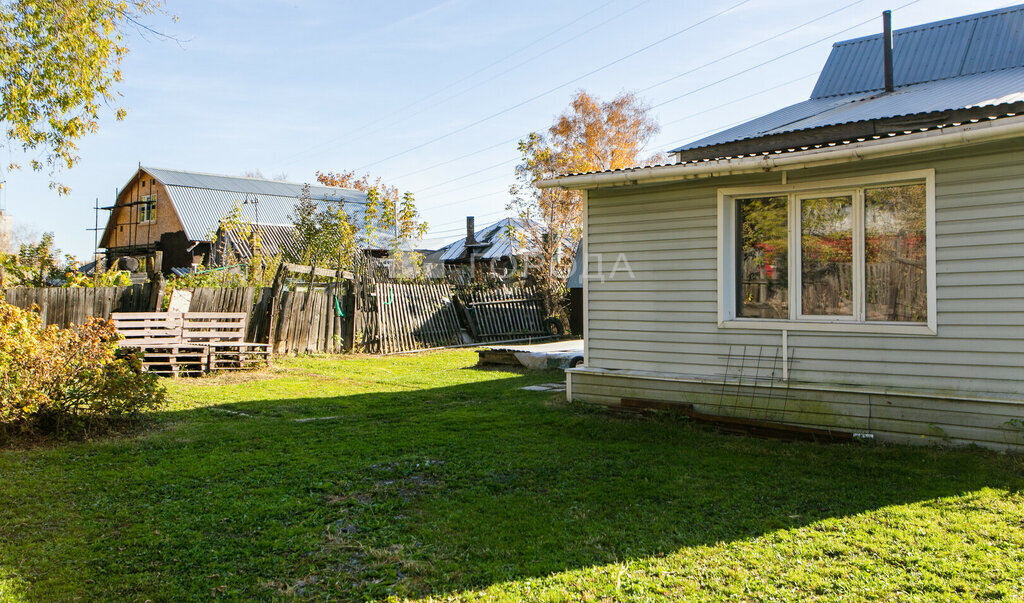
[68, 382]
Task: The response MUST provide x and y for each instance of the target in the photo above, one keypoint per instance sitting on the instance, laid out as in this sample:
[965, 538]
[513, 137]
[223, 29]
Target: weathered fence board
[351, 314]
[66, 306]
[416, 316]
[504, 312]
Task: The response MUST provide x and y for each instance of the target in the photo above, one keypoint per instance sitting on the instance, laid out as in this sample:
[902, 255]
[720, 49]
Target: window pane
[895, 245]
[763, 258]
[826, 245]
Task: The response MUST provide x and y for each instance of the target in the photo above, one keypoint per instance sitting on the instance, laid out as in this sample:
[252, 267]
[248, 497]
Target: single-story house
[853, 262]
[493, 249]
[179, 213]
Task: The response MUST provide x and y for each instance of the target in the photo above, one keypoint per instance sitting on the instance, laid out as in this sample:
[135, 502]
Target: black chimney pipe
[887, 48]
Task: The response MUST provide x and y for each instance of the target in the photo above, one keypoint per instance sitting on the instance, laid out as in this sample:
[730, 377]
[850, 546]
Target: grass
[438, 480]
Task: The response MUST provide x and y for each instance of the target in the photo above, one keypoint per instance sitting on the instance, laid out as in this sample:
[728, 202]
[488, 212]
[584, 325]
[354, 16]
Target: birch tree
[590, 135]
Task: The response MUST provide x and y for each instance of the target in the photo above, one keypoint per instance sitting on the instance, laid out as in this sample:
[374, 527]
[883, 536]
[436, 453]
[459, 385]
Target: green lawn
[437, 479]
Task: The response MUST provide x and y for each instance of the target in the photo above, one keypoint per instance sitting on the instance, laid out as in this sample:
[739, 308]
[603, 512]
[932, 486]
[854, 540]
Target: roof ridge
[252, 178]
[922, 26]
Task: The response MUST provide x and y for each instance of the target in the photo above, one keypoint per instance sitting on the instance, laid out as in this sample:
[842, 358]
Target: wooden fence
[254, 301]
[416, 316]
[68, 306]
[506, 312]
[316, 320]
[343, 314]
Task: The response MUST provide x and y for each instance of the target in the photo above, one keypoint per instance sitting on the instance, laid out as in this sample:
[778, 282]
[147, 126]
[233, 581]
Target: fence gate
[506, 312]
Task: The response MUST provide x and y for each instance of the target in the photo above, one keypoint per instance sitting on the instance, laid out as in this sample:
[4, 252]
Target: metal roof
[957, 64]
[967, 45]
[274, 239]
[497, 235]
[202, 200]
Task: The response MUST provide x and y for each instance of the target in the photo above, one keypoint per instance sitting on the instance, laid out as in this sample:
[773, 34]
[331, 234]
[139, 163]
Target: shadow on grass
[430, 491]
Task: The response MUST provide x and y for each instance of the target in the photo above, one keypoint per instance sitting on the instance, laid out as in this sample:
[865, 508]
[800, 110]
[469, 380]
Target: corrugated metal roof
[274, 239]
[967, 45]
[242, 184]
[202, 200]
[501, 244]
[958, 64]
[981, 90]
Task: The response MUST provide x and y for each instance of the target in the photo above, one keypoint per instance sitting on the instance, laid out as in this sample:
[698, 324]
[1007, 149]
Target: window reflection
[764, 271]
[895, 238]
[826, 246]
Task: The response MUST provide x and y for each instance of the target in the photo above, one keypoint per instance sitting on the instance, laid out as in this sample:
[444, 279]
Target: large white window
[855, 254]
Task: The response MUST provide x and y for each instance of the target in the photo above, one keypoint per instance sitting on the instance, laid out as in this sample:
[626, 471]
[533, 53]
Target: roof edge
[953, 136]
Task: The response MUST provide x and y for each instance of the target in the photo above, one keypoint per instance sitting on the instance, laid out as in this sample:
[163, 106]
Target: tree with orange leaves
[589, 136]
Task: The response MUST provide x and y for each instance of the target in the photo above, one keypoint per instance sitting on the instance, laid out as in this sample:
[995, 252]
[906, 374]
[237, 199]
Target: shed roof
[956, 67]
[201, 200]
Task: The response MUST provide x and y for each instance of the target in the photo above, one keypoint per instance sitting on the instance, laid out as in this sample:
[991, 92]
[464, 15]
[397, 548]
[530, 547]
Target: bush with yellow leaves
[68, 382]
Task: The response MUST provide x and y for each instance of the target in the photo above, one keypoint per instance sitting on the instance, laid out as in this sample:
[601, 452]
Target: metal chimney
[887, 48]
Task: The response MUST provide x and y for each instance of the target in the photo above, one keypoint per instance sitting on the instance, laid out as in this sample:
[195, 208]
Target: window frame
[148, 209]
[727, 254]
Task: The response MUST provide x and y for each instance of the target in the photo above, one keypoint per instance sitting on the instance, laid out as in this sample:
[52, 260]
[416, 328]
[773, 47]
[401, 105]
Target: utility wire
[739, 100]
[754, 45]
[363, 127]
[772, 60]
[747, 70]
[776, 36]
[551, 90]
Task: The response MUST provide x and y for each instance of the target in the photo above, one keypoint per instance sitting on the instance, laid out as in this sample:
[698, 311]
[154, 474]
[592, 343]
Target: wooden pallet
[223, 333]
[176, 344]
[176, 361]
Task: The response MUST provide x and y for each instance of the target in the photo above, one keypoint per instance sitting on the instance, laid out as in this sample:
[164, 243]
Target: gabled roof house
[179, 213]
[852, 263]
[491, 244]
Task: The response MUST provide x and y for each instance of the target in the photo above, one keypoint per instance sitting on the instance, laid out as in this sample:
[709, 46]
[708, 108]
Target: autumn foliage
[590, 135]
[59, 67]
[67, 382]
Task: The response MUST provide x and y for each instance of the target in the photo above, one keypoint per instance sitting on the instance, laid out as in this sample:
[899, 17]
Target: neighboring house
[179, 213]
[852, 262]
[491, 249]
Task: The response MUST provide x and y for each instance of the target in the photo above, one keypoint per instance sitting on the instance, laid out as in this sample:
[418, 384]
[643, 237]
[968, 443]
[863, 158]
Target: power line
[690, 137]
[550, 90]
[460, 157]
[776, 36]
[764, 62]
[517, 65]
[487, 216]
[557, 30]
[496, 165]
[740, 100]
[746, 48]
[772, 60]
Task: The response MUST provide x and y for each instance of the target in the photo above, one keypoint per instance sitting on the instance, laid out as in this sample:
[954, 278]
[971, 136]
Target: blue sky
[432, 95]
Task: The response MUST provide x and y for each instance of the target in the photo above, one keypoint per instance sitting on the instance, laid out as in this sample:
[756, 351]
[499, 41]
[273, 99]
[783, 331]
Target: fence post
[348, 305]
[275, 307]
[156, 292]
